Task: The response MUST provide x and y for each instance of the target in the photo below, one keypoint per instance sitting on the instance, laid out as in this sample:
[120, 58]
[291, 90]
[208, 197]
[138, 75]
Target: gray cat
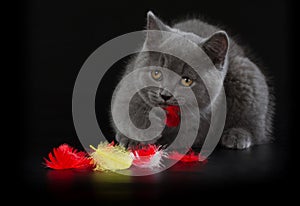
[249, 102]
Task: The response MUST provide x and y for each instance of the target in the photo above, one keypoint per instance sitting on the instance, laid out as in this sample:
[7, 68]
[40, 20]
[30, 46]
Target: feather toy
[66, 157]
[172, 115]
[148, 156]
[191, 156]
[111, 157]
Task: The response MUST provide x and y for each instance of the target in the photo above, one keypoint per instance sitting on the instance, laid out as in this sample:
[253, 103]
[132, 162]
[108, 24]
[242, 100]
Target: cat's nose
[165, 97]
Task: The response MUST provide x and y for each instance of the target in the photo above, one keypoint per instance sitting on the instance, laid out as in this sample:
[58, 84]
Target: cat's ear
[154, 23]
[216, 47]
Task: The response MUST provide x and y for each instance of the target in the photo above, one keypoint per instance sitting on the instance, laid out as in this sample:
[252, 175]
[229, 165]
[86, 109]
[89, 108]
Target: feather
[191, 156]
[111, 157]
[149, 156]
[66, 157]
[172, 115]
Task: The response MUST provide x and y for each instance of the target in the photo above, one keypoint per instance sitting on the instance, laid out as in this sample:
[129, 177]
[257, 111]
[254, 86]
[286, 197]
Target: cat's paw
[158, 116]
[236, 138]
[125, 141]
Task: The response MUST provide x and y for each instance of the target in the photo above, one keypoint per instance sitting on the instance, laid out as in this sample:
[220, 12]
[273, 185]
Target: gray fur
[249, 103]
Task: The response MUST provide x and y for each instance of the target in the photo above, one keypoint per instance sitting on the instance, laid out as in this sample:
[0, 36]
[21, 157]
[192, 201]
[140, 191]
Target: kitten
[249, 102]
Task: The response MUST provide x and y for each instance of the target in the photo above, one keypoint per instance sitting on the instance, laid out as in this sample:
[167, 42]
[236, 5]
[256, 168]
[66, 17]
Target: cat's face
[170, 88]
[167, 86]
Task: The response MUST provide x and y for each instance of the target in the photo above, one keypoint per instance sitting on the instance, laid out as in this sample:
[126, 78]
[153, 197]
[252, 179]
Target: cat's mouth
[165, 104]
[156, 100]
[175, 102]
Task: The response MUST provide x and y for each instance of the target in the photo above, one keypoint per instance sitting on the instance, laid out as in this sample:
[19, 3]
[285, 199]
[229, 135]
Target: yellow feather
[108, 157]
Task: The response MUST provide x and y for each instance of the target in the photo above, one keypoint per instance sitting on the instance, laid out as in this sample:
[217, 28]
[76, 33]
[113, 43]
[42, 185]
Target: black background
[58, 36]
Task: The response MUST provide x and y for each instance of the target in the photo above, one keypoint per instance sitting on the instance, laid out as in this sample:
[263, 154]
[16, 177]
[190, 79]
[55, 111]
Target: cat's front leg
[125, 141]
[140, 117]
[238, 138]
[247, 98]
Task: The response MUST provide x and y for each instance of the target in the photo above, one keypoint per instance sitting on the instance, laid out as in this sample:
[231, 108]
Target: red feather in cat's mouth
[172, 115]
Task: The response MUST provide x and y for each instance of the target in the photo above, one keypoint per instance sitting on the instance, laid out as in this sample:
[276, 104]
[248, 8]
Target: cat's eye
[156, 74]
[187, 82]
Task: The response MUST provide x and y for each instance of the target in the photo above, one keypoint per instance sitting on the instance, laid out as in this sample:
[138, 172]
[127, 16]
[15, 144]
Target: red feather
[172, 117]
[191, 156]
[148, 156]
[144, 153]
[66, 157]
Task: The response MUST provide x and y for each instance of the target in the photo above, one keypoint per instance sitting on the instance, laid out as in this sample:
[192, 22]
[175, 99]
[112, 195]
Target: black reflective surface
[263, 168]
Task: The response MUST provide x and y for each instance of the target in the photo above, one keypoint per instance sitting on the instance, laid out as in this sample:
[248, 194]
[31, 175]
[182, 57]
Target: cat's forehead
[176, 50]
[187, 38]
[179, 66]
[173, 42]
[191, 37]
[180, 44]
